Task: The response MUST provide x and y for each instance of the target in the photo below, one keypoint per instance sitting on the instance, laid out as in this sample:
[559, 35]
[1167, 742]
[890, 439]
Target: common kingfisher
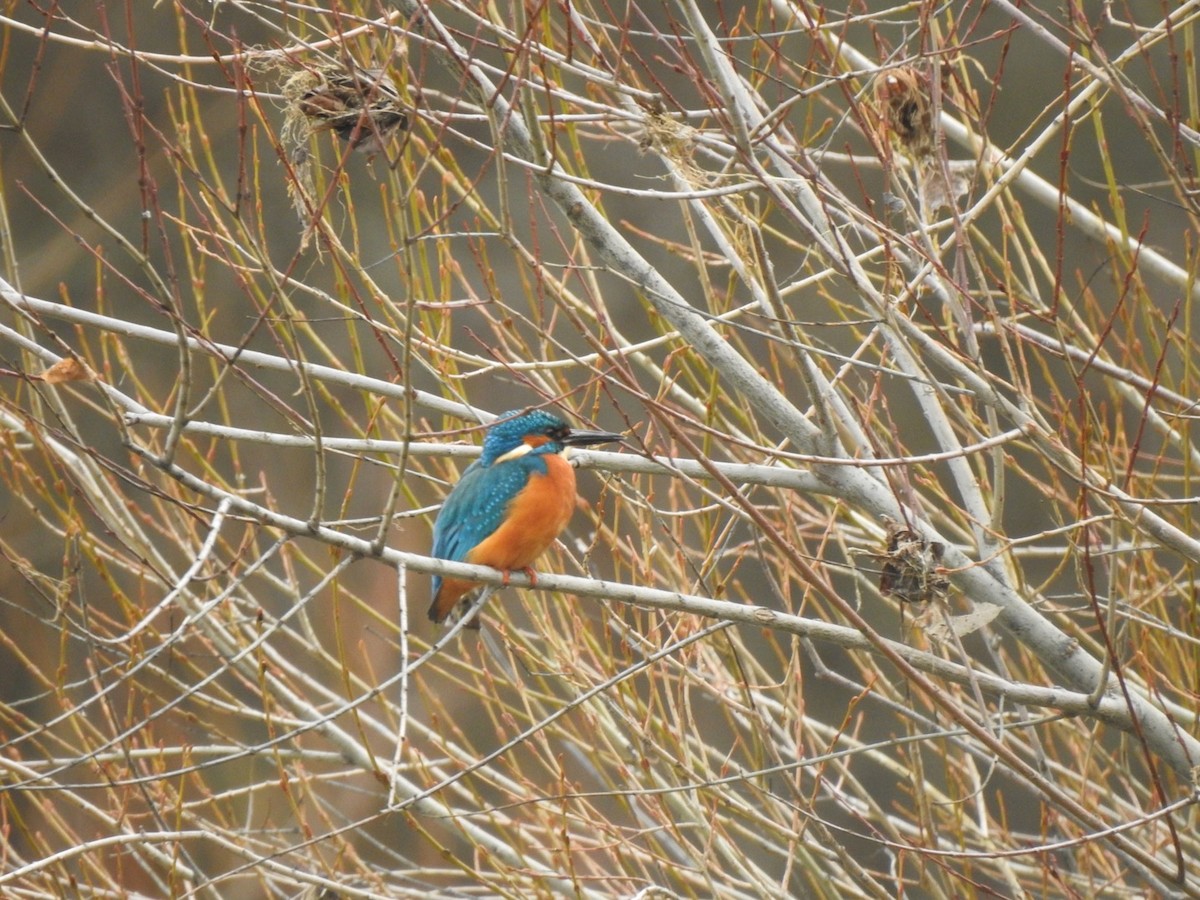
[511, 503]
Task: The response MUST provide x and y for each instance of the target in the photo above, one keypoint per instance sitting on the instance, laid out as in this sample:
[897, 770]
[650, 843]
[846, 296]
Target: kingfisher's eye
[559, 433]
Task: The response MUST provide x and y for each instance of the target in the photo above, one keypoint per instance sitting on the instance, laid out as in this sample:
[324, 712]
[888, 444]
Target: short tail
[446, 596]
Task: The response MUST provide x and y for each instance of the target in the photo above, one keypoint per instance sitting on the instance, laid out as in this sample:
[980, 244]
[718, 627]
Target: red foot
[527, 570]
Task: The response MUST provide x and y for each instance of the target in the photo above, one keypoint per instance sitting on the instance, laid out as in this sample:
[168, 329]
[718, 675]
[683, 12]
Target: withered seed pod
[902, 96]
[361, 107]
[912, 567]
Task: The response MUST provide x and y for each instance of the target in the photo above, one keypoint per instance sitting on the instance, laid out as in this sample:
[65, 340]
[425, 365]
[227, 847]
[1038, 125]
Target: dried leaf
[66, 369]
[936, 192]
[947, 628]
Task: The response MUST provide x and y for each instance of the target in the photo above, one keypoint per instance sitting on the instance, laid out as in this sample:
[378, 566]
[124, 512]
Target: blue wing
[477, 505]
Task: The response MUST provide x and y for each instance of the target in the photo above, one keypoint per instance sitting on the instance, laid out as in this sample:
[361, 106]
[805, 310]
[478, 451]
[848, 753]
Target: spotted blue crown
[513, 427]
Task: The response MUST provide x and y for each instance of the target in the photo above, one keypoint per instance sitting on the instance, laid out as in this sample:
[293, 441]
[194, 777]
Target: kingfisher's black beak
[586, 438]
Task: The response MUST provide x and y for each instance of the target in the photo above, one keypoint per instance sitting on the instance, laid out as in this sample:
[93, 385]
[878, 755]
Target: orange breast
[536, 517]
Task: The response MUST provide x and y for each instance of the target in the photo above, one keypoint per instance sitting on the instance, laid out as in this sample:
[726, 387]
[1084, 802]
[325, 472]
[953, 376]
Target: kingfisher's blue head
[517, 433]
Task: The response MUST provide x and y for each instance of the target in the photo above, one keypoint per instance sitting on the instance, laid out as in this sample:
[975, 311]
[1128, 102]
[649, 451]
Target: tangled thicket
[892, 591]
